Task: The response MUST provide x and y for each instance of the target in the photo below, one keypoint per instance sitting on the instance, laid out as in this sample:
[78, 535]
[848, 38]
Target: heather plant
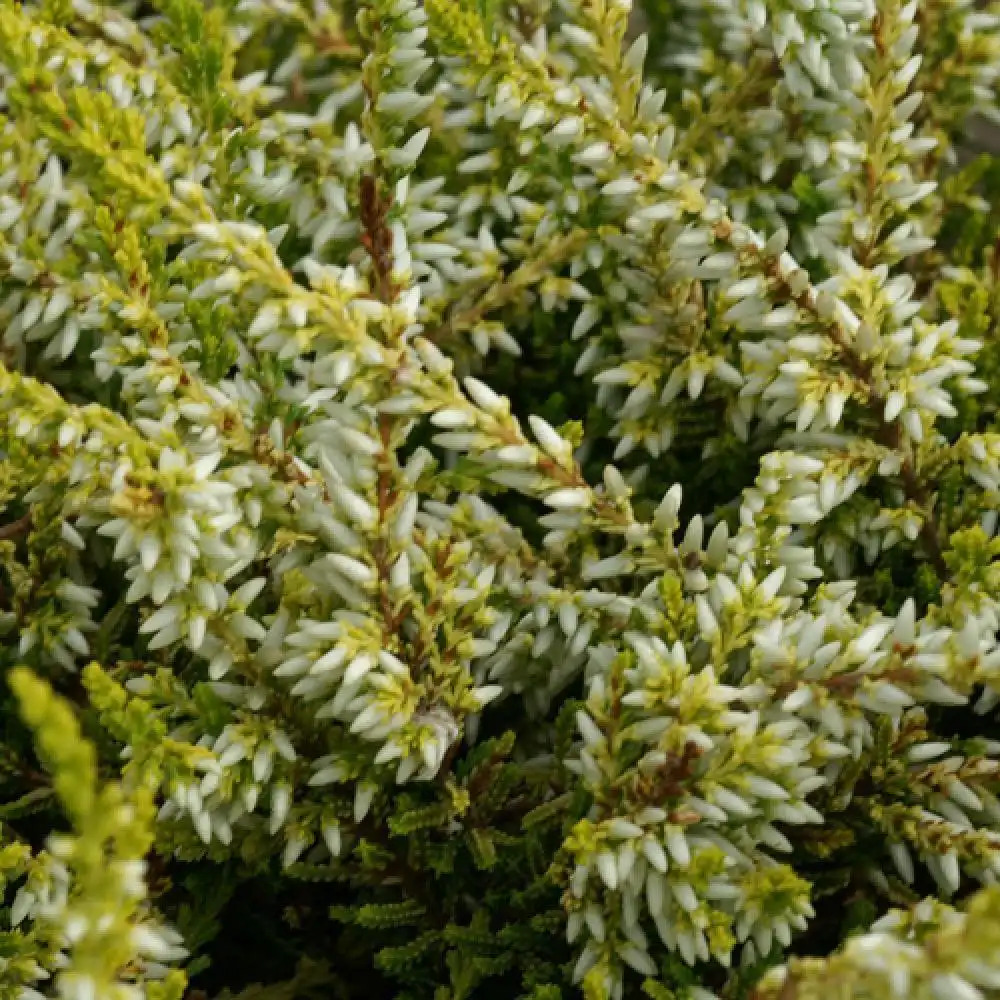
[499, 500]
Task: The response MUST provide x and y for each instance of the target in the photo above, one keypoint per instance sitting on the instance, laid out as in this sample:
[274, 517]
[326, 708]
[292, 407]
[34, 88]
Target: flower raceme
[512, 488]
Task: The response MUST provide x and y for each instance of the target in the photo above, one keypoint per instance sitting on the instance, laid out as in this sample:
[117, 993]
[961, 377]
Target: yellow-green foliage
[498, 500]
[86, 891]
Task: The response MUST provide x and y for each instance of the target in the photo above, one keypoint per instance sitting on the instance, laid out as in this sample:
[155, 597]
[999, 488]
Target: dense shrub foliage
[499, 500]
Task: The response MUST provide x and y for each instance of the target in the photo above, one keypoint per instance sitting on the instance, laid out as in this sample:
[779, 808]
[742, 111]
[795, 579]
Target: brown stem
[16, 528]
[889, 433]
